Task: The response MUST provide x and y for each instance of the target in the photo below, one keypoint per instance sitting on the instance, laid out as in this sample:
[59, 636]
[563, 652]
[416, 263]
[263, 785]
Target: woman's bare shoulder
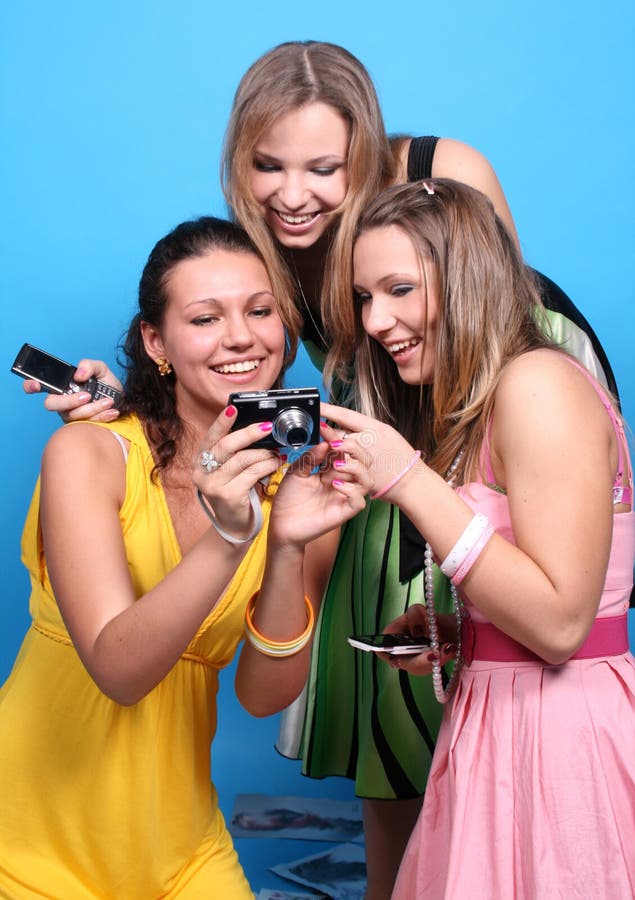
[84, 452]
[547, 382]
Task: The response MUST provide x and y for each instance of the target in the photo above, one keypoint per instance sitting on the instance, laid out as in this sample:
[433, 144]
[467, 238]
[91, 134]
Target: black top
[420, 156]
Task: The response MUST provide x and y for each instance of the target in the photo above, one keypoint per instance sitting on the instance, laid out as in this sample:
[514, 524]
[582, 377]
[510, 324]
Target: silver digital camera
[295, 414]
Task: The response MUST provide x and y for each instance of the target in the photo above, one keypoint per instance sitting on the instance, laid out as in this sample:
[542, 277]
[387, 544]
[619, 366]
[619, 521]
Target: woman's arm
[127, 644]
[302, 541]
[554, 451]
[264, 685]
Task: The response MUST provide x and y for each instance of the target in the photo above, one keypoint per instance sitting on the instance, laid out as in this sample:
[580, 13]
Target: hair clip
[428, 187]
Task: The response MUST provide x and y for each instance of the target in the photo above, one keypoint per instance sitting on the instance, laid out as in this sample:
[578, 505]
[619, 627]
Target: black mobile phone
[56, 376]
[388, 643]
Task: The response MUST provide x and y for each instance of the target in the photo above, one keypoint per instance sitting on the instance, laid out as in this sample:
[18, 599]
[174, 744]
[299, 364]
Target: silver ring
[208, 462]
[346, 434]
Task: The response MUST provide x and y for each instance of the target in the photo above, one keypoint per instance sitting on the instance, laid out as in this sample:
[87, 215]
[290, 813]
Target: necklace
[442, 694]
[318, 330]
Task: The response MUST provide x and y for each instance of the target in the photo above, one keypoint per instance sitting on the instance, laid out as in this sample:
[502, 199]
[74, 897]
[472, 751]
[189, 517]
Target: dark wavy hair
[148, 394]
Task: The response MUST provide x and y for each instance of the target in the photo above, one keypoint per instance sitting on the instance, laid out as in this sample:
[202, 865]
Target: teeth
[394, 348]
[296, 220]
[234, 368]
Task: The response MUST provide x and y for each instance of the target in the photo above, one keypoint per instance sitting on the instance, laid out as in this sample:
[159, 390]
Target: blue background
[112, 118]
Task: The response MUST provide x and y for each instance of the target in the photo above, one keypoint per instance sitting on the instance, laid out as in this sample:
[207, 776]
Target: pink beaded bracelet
[397, 478]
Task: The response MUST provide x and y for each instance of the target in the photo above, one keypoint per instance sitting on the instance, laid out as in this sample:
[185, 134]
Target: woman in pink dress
[525, 500]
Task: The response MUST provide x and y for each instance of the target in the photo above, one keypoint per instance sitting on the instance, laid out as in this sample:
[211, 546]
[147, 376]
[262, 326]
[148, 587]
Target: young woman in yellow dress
[141, 594]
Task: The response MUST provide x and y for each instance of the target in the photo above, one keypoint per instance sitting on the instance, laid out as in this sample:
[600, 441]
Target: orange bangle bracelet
[295, 643]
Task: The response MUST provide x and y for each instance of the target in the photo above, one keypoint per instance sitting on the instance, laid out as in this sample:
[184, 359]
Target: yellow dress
[99, 800]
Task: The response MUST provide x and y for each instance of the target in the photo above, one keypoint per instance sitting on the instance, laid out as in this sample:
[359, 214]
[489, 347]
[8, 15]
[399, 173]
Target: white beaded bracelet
[473, 555]
[466, 541]
[255, 505]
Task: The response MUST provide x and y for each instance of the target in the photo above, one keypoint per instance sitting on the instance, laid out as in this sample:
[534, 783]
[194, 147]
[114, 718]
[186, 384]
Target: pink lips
[405, 353]
[299, 228]
[238, 377]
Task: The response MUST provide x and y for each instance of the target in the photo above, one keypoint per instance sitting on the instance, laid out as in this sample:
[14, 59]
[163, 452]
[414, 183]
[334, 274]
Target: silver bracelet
[255, 505]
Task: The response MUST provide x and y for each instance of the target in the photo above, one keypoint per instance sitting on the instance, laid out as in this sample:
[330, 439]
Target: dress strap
[486, 456]
[122, 444]
[420, 156]
[622, 493]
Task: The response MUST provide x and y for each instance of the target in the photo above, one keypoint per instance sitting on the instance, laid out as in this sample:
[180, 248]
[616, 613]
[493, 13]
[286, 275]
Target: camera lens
[292, 428]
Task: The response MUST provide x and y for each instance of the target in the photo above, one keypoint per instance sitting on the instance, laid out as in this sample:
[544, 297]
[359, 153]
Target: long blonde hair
[489, 312]
[287, 78]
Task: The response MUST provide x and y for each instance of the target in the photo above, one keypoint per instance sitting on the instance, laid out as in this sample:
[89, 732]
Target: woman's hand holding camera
[315, 497]
[321, 490]
[370, 446]
[226, 468]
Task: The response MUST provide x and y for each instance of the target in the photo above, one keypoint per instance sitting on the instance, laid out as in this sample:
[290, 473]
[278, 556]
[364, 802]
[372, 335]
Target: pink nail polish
[266, 426]
[336, 482]
[336, 443]
[230, 411]
[432, 657]
[338, 463]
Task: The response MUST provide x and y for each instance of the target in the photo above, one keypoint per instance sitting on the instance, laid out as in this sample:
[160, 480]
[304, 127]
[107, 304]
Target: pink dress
[531, 795]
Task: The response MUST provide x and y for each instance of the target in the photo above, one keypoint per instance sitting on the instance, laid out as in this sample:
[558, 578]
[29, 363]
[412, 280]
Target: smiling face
[398, 293]
[221, 330]
[300, 173]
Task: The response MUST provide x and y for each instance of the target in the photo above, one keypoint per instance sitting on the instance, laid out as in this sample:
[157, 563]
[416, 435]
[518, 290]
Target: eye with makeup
[325, 171]
[361, 296]
[261, 312]
[401, 289]
[258, 312]
[207, 319]
[262, 166]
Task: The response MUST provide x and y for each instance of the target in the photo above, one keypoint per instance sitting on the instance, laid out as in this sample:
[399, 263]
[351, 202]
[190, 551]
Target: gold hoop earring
[163, 365]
